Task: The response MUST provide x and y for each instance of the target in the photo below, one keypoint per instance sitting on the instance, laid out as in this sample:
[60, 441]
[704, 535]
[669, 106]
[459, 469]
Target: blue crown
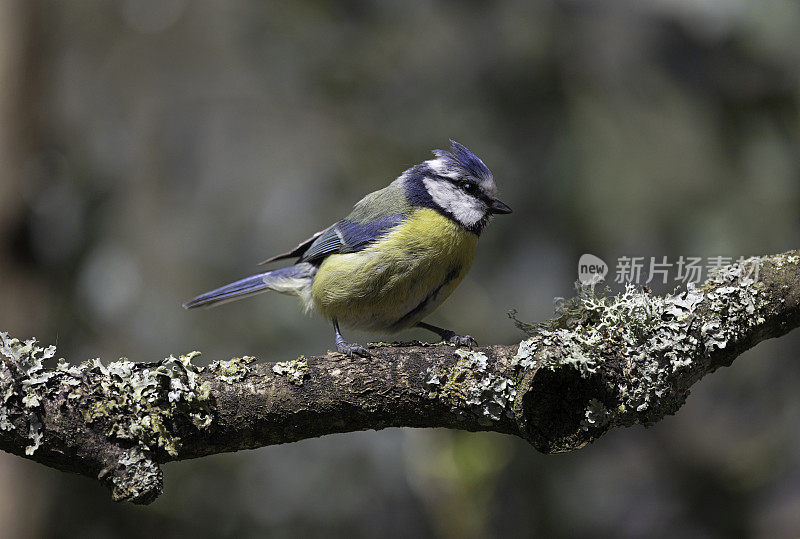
[459, 156]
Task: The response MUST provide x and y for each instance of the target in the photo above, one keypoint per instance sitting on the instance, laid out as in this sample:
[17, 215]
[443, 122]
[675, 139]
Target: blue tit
[398, 255]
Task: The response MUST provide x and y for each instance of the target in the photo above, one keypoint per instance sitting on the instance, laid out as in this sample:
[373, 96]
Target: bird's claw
[351, 350]
[459, 340]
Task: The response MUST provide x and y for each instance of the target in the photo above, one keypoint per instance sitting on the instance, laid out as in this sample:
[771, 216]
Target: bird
[394, 259]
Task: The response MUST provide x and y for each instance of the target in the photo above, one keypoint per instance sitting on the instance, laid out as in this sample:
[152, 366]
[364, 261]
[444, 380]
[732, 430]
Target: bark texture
[605, 361]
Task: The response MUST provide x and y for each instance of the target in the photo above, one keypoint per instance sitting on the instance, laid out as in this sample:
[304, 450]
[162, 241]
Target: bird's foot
[449, 336]
[459, 340]
[351, 349]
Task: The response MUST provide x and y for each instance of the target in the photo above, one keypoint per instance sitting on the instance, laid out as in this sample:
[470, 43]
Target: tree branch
[603, 362]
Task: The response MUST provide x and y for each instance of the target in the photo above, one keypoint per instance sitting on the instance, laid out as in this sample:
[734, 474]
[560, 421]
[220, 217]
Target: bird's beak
[498, 207]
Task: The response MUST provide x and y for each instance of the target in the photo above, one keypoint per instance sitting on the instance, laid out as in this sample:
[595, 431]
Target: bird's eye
[469, 187]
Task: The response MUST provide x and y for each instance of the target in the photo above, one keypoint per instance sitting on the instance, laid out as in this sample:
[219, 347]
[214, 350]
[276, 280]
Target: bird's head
[457, 184]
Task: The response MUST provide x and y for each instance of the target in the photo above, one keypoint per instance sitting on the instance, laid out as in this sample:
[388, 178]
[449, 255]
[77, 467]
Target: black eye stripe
[461, 184]
[474, 191]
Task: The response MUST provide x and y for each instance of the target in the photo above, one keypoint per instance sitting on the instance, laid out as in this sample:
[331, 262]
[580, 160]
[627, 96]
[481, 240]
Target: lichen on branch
[604, 361]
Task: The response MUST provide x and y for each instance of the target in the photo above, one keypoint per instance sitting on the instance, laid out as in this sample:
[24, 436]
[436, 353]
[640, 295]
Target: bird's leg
[346, 348]
[449, 336]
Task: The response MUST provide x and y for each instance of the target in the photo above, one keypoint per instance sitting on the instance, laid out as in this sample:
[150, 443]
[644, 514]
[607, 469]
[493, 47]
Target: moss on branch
[604, 361]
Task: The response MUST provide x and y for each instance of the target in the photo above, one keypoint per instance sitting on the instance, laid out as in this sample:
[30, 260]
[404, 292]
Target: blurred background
[153, 149]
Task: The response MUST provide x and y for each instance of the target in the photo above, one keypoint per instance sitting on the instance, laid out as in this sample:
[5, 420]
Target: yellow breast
[400, 279]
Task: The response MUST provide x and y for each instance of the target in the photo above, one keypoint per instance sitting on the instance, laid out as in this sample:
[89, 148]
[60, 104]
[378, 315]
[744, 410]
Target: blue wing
[298, 251]
[349, 237]
[372, 217]
[344, 237]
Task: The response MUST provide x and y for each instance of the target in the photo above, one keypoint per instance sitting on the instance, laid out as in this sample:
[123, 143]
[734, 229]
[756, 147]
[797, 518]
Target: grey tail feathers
[283, 280]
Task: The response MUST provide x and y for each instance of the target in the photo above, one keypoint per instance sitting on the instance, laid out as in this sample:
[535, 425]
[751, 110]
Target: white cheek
[466, 209]
[469, 212]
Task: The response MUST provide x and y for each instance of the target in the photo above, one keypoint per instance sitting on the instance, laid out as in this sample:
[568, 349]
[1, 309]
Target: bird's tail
[294, 280]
